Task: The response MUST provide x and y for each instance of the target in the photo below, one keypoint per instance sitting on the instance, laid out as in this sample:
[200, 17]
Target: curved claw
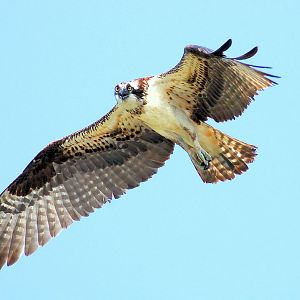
[203, 158]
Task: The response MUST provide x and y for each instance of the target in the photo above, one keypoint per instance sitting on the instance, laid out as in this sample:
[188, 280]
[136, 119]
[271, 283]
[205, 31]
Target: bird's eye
[117, 89]
[129, 88]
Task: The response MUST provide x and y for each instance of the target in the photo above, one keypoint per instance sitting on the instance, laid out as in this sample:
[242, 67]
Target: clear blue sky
[173, 237]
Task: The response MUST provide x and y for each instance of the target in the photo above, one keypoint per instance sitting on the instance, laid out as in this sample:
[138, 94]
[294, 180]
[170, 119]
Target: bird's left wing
[206, 84]
[73, 176]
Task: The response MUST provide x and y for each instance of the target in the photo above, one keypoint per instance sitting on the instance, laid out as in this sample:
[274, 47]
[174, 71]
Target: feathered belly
[173, 123]
[167, 122]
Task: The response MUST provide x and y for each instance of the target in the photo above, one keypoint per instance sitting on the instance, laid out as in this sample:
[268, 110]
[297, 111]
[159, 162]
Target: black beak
[123, 93]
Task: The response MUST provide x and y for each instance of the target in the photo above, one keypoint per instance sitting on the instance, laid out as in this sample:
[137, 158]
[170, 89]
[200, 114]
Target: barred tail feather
[231, 158]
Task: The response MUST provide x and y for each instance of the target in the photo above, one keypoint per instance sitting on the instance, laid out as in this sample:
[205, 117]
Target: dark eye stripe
[138, 92]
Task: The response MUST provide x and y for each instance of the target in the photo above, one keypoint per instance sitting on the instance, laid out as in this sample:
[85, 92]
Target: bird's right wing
[73, 176]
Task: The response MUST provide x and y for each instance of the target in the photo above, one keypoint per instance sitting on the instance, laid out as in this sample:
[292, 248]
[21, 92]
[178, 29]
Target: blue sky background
[173, 237]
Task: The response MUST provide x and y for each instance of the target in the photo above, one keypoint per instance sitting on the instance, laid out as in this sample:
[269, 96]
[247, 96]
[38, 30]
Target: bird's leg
[201, 156]
[191, 140]
[204, 158]
[197, 154]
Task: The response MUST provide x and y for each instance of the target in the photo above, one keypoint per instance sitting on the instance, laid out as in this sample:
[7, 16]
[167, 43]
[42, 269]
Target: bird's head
[131, 91]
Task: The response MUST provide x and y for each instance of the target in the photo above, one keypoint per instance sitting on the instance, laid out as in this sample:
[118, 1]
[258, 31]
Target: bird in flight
[73, 176]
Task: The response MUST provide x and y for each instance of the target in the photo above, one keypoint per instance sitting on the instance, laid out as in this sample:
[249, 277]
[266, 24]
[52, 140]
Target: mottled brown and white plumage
[73, 176]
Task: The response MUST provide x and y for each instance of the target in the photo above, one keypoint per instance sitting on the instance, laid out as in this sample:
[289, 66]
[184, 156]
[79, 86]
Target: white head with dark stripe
[130, 92]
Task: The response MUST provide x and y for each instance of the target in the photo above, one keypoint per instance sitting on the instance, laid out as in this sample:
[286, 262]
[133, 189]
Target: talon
[204, 159]
[205, 166]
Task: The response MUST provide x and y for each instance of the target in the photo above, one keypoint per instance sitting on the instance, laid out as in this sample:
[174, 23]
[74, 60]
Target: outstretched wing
[73, 176]
[206, 84]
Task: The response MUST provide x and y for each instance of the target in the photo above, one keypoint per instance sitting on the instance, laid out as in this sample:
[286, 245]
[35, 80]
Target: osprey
[73, 176]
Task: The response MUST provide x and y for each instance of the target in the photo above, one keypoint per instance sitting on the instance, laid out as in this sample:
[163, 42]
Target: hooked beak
[123, 94]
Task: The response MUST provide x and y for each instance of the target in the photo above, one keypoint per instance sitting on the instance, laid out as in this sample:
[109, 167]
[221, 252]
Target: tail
[229, 156]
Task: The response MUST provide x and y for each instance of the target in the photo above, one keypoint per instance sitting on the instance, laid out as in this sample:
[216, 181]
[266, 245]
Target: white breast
[163, 117]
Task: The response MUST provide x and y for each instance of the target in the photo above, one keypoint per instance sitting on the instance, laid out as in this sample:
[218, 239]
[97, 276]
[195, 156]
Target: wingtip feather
[220, 51]
[248, 54]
